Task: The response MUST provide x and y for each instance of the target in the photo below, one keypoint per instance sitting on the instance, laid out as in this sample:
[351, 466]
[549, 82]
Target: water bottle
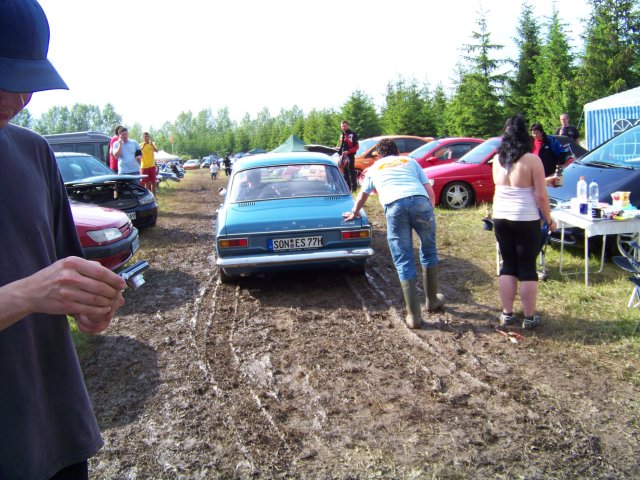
[594, 198]
[582, 196]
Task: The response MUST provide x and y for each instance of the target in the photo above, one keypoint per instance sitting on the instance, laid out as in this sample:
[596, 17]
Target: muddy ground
[315, 376]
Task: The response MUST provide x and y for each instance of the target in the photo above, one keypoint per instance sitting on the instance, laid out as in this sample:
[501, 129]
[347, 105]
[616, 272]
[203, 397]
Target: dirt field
[315, 376]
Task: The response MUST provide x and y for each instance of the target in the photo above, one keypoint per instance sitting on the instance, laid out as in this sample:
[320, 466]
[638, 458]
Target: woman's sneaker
[506, 320]
[529, 323]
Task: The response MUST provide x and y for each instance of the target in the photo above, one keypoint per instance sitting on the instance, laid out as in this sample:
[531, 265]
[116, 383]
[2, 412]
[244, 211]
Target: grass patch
[593, 321]
[80, 340]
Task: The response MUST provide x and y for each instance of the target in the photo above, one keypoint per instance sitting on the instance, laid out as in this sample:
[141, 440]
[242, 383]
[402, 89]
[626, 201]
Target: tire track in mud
[245, 416]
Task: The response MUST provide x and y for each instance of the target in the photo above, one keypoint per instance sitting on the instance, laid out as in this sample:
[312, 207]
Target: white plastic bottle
[594, 194]
[582, 191]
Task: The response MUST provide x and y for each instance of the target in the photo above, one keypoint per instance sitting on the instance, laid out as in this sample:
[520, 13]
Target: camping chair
[631, 265]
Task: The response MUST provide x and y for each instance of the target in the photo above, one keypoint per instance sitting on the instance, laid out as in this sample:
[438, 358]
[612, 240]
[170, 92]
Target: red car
[470, 180]
[106, 235]
[439, 152]
[443, 150]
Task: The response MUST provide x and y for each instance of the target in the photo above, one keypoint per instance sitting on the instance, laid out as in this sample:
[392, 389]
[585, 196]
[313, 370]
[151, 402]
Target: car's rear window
[288, 181]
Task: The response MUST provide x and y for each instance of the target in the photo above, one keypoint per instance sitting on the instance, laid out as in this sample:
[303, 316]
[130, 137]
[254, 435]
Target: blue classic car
[284, 212]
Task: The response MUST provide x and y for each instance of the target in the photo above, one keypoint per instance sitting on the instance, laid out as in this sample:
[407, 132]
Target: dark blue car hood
[609, 180]
[105, 179]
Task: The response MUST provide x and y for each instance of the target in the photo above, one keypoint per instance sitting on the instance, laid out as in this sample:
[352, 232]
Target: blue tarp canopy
[607, 117]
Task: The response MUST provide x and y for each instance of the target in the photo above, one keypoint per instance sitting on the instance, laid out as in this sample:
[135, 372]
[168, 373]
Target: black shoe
[531, 323]
[506, 320]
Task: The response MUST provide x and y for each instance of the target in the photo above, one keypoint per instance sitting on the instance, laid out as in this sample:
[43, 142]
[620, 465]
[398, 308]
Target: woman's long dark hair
[515, 141]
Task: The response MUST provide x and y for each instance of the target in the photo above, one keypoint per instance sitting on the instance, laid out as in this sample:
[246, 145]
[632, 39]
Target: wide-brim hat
[24, 44]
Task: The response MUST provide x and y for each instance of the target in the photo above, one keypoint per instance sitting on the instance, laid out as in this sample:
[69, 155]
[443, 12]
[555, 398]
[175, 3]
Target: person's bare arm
[540, 190]
[430, 193]
[360, 201]
[73, 286]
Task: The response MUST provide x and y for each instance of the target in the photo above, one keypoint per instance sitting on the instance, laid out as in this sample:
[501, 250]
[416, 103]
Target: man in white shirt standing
[128, 153]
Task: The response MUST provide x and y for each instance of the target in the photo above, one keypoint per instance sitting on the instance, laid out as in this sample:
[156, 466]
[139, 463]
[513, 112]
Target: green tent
[292, 144]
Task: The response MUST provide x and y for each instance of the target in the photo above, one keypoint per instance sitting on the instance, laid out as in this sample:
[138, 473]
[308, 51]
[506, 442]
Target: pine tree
[361, 114]
[405, 108]
[528, 43]
[476, 108]
[611, 60]
[553, 91]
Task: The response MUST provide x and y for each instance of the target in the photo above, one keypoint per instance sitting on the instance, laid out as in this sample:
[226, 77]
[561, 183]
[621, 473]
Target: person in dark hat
[48, 429]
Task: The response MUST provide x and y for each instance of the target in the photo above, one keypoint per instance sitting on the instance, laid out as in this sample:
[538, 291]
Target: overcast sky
[153, 59]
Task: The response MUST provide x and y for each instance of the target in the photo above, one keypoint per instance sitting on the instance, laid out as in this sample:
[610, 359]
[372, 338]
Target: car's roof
[77, 137]
[279, 159]
[380, 137]
[458, 139]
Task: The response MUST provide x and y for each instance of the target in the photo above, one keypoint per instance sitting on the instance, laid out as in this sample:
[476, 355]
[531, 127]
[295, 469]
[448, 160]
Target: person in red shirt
[550, 150]
[113, 161]
[348, 148]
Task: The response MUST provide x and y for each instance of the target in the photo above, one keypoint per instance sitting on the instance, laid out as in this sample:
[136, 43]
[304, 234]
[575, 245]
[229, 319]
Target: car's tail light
[356, 234]
[233, 243]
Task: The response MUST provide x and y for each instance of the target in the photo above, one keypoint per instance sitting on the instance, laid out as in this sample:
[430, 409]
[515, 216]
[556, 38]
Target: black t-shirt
[568, 131]
[46, 418]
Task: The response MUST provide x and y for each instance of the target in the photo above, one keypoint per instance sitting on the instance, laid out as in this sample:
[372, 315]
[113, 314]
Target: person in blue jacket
[551, 151]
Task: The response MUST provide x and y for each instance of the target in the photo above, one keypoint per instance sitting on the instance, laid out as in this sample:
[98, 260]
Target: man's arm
[430, 193]
[73, 286]
[355, 213]
[116, 151]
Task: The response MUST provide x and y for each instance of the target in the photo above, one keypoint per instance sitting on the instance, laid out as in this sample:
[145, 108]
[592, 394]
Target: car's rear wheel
[456, 195]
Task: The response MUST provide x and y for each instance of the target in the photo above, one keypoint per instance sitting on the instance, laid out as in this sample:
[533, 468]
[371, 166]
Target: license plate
[300, 243]
[135, 245]
[131, 215]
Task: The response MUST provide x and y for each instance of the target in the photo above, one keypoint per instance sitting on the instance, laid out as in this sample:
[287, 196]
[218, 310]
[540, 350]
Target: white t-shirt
[394, 178]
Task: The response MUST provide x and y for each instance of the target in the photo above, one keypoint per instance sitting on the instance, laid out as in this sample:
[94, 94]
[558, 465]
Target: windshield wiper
[600, 163]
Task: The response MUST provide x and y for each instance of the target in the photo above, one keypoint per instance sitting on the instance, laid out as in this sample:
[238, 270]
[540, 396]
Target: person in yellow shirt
[148, 162]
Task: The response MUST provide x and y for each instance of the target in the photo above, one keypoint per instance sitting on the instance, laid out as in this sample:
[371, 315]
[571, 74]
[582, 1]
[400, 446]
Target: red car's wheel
[456, 195]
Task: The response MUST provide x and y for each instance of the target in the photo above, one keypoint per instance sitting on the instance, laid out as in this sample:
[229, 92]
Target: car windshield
[425, 149]
[365, 145]
[480, 153]
[74, 168]
[288, 181]
[621, 151]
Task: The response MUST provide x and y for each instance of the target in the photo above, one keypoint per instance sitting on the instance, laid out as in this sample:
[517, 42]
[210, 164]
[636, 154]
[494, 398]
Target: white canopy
[162, 156]
[607, 117]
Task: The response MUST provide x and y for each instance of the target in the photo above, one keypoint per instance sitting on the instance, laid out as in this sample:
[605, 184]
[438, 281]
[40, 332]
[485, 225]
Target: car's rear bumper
[116, 254]
[254, 263]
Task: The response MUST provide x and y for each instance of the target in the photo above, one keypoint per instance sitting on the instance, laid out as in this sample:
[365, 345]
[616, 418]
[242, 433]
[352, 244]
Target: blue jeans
[406, 214]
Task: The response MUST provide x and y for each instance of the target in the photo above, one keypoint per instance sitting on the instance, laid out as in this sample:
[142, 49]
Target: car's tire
[621, 244]
[225, 277]
[456, 195]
